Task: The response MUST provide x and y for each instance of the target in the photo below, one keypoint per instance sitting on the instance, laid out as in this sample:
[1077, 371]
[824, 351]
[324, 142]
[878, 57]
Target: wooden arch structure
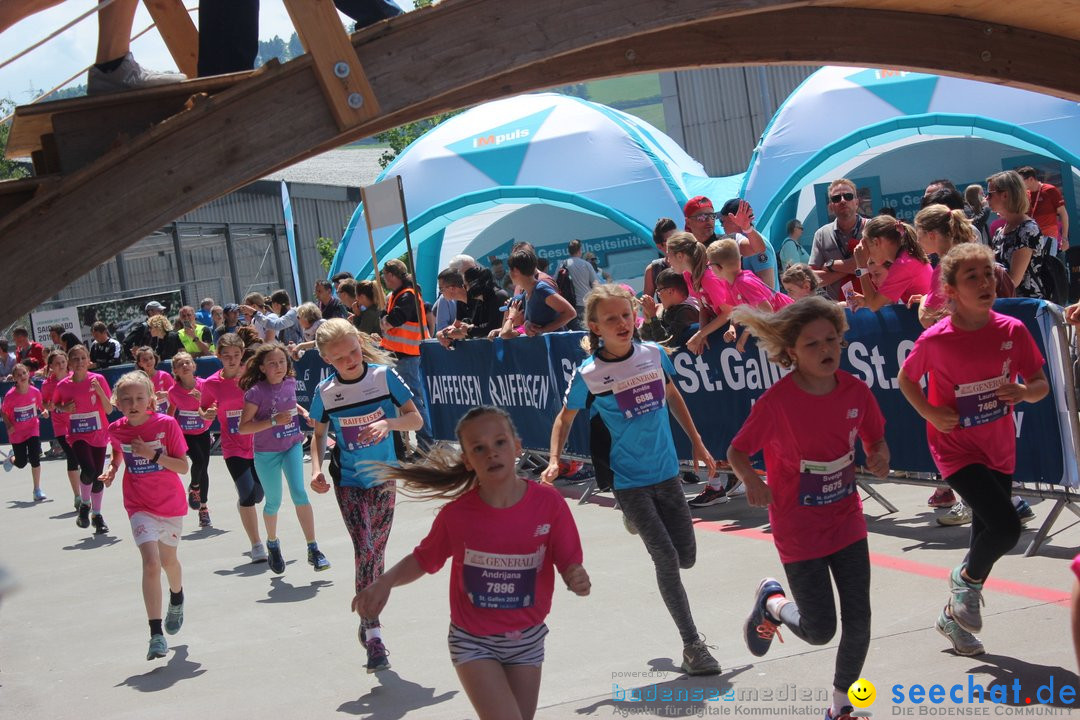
[112, 169]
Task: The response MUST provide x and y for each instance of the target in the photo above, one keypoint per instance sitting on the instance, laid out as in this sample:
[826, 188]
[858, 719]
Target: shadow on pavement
[203, 533]
[394, 698]
[65, 516]
[23, 504]
[165, 676]
[248, 569]
[282, 592]
[1033, 678]
[93, 542]
[691, 695]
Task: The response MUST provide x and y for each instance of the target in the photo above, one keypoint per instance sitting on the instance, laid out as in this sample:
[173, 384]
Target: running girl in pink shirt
[152, 448]
[891, 244]
[973, 358]
[58, 370]
[807, 424]
[185, 399]
[147, 361]
[84, 397]
[21, 408]
[495, 520]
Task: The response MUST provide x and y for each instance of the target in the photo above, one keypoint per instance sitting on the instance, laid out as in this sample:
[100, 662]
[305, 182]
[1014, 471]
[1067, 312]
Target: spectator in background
[329, 306]
[28, 352]
[63, 338]
[310, 319]
[449, 307]
[950, 197]
[1046, 207]
[1019, 238]
[254, 311]
[7, 360]
[591, 258]
[140, 334]
[886, 210]
[664, 228]
[204, 315]
[163, 339]
[545, 309]
[487, 301]
[978, 211]
[105, 351]
[217, 316]
[282, 319]
[339, 277]
[700, 219]
[737, 219]
[230, 321]
[498, 272]
[799, 281]
[357, 298]
[196, 338]
[403, 329]
[584, 278]
[832, 253]
[674, 326]
[792, 252]
[541, 264]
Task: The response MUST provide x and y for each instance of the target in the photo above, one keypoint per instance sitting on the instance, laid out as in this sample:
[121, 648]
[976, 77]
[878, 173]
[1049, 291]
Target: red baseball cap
[696, 204]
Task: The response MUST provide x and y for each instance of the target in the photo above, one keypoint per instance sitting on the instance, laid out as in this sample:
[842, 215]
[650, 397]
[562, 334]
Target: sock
[155, 627]
[839, 702]
[271, 542]
[84, 494]
[371, 633]
[312, 545]
[176, 598]
[111, 64]
[773, 605]
[95, 501]
[717, 483]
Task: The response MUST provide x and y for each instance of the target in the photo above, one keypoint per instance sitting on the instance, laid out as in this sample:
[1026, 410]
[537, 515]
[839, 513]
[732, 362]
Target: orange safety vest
[405, 338]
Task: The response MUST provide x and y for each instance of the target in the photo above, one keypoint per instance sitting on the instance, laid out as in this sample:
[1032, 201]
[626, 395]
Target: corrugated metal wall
[718, 114]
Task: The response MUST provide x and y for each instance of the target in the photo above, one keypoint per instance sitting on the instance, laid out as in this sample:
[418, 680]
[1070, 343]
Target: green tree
[9, 170]
[400, 137]
[295, 47]
[327, 249]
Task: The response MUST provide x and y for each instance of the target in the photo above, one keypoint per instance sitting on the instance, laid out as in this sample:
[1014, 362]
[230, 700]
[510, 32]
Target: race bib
[163, 406]
[351, 427]
[232, 421]
[85, 422]
[641, 394]
[288, 429]
[502, 582]
[26, 413]
[823, 483]
[977, 403]
[190, 420]
[140, 465]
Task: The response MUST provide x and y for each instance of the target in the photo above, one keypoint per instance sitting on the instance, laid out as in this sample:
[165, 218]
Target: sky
[74, 50]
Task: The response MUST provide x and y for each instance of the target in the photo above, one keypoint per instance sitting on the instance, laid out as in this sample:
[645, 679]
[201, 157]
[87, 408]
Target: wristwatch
[273, 421]
[859, 272]
[157, 456]
[829, 265]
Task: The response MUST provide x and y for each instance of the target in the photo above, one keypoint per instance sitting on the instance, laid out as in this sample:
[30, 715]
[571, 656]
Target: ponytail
[899, 232]
[688, 245]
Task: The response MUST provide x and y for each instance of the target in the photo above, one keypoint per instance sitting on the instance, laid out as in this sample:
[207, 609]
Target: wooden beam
[178, 31]
[428, 62]
[337, 68]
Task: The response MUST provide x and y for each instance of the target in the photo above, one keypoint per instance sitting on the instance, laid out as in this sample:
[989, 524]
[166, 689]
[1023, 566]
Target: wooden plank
[14, 193]
[440, 59]
[179, 33]
[337, 68]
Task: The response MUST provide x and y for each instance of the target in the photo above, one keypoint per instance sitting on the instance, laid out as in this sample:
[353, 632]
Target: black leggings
[995, 526]
[812, 615]
[69, 454]
[198, 449]
[27, 451]
[91, 464]
[248, 487]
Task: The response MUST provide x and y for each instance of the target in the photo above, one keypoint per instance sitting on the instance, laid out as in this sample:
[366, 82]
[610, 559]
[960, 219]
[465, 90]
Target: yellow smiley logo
[862, 693]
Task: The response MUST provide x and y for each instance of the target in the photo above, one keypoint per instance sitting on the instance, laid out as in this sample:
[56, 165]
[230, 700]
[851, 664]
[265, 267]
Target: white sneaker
[959, 514]
[129, 76]
[258, 553]
[734, 487]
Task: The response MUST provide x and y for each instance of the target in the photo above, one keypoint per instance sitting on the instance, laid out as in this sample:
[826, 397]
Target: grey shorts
[522, 647]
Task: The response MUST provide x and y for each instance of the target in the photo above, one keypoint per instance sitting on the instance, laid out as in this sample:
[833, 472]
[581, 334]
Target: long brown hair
[778, 331]
[688, 245]
[898, 231]
[253, 373]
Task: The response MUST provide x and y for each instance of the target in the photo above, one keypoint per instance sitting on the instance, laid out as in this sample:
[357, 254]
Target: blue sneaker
[1023, 510]
[40, 496]
[174, 618]
[158, 647]
[760, 626]
[276, 559]
[963, 642]
[965, 601]
[317, 560]
[378, 658]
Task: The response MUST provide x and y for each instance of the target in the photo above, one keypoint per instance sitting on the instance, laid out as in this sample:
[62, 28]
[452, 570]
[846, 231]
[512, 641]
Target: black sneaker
[760, 627]
[83, 520]
[697, 660]
[193, 498]
[317, 560]
[689, 477]
[709, 497]
[377, 656]
[100, 528]
[276, 559]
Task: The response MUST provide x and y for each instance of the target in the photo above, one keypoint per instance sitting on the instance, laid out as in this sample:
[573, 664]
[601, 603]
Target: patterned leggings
[368, 515]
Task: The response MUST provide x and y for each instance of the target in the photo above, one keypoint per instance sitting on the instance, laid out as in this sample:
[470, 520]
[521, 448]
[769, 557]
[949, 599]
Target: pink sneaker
[942, 498]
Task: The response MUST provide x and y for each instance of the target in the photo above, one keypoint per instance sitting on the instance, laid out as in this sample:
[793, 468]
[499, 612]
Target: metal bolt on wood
[341, 69]
[356, 101]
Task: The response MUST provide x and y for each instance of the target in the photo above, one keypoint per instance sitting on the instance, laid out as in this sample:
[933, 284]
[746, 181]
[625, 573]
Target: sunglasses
[702, 217]
[842, 196]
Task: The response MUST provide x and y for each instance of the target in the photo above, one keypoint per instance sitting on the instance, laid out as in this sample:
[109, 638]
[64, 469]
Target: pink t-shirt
[809, 443]
[21, 411]
[229, 397]
[747, 289]
[906, 277]
[1076, 567]
[162, 381]
[148, 487]
[48, 394]
[88, 423]
[186, 407]
[965, 368]
[936, 298]
[501, 576]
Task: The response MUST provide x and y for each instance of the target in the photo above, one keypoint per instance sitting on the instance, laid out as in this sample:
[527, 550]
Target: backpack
[1049, 275]
[565, 284]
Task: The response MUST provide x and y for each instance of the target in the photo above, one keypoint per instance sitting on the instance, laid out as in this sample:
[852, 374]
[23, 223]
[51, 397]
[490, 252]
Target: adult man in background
[196, 338]
[139, 335]
[582, 276]
[105, 351]
[329, 305]
[1047, 207]
[832, 254]
[737, 219]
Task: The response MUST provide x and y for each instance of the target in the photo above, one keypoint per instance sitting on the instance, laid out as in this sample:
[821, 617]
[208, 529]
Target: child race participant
[84, 397]
[58, 370]
[814, 507]
[222, 391]
[272, 414]
[152, 448]
[891, 244]
[185, 398]
[21, 407]
[629, 385]
[147, 361]
[365, 401]
[973, 358]
[738, 286]
[494, 520]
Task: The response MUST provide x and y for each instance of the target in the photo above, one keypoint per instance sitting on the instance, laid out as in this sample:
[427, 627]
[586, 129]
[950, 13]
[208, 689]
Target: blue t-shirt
[351, 405]
[629, 394]
[537, 310]
[761, 261]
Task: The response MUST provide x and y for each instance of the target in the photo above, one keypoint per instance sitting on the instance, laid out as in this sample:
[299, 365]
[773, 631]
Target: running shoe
[689, 477]
[378, 658]
[174, 618]
[317, 560]
[697, 660]
[100, 528]
[1023, 510]
[760, 626]
[129, 76]
[204, 517]
[158, 647]
[258, 553]
[734, 487]
[964, 605]
[39, 496]
[942, 498]
[963, 642]
[83, 520]
[276, 559]
[959, 514]
[193, 498]
[708, 498]
[8, 465]
[845, 713]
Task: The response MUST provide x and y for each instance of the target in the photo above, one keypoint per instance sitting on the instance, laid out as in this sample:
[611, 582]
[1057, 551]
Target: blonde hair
[688, 245]
[135, 377]
[950, 264]
[778, 331]
[310, 312]
[953, 225]
[441, 474]
[338, 329]
[800, 273]
[1011, 185]
[724, 251]
[181, 356]
[609, 291]
[160, 322]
